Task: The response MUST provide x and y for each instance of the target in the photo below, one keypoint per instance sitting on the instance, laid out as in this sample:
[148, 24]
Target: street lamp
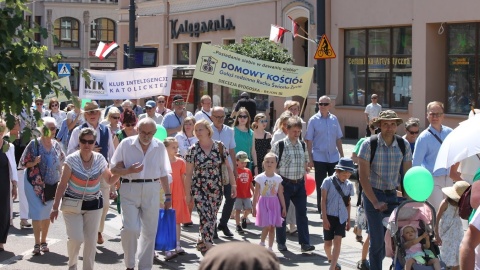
[321, 68]
[131, 34]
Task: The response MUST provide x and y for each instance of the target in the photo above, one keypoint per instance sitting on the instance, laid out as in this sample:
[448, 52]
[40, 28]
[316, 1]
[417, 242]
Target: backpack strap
[374, 144]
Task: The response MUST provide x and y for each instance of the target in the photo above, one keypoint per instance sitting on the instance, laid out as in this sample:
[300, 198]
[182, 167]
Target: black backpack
[374, 144]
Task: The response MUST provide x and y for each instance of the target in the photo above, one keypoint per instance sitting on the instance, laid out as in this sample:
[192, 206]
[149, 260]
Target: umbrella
[461, 143]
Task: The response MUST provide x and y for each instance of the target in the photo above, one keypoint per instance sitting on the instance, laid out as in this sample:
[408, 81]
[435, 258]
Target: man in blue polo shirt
[173, 120]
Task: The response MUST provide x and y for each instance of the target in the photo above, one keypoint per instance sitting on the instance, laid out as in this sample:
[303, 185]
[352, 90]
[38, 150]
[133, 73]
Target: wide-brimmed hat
[242, 156]
[387, 115]
[91, 106]
[455, 192]
[345, 164]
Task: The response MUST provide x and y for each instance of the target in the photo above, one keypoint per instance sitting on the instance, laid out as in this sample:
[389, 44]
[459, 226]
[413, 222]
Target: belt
[139, 180]
[389, 191]
[293, 181]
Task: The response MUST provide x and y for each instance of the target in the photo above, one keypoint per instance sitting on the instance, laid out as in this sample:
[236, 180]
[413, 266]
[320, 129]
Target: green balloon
[418, 183]
[84, 101]
[161, 133]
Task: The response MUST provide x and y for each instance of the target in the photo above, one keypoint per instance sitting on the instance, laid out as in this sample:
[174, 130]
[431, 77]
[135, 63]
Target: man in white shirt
[372, 111]
[150, 112]
[205, 112]
[141, 161]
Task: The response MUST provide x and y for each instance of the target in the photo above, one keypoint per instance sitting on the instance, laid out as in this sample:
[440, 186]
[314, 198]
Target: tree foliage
[26, 71]
[261, 49]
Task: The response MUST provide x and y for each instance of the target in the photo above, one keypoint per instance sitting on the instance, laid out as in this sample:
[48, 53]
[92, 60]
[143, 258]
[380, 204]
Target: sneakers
[244, 223]
[282, 247]
[239, 229]
[225, 230]
[307, 248]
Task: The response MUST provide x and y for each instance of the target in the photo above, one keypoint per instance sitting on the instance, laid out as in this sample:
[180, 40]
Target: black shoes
[225, 230]
[244, 223]
[239, 229]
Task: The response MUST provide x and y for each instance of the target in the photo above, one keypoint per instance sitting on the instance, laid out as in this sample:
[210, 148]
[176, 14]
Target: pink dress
[269, 210]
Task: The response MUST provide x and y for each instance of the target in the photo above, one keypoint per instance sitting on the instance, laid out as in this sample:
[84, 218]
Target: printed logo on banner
[96, 86]
[208, 65]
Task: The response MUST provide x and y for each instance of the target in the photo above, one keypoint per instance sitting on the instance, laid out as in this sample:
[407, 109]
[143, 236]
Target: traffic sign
[324, 49]
[64, 70]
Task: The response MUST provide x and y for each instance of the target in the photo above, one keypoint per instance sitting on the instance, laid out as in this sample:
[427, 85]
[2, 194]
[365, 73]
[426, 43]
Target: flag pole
[303, 105]
[306, 38]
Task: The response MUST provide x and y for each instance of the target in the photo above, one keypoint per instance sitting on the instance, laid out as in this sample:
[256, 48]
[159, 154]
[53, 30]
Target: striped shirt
[293, 161]
[385, 167]
[80, 175]
[335, 204]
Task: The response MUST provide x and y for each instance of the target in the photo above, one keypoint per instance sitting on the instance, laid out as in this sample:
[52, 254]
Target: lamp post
[321, 68]
[131, 35]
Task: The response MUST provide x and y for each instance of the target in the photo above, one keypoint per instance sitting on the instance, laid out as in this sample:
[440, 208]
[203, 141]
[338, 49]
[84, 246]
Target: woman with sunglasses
[128, 120]
[262, 138]
[47, 154]
[412, 129]
[112, 121]
[56, 113]
[81, 177]
[244, 138]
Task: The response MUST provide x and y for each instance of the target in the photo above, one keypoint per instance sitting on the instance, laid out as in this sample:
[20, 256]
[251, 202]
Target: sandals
[358, 237]
[44, 247]
[36, 250]
[202, 247]
[170, 255]
[179, 250]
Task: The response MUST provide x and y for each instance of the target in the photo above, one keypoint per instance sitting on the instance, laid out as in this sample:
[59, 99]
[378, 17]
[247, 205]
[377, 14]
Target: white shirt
[373, 110]
[184, 143]
[277, 136]
[158, 118]
[155, 161]
[59, 117]
[73, 143]
[468, 167]
[204, 115]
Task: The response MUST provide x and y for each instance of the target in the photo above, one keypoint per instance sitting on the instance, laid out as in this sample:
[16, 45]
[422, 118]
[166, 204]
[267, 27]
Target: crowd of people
[81, 160]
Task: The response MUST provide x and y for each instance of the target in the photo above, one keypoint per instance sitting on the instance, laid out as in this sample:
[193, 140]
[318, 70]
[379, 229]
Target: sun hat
[242, 156]
[455, 192]
[151, 104]
[91, 106]
[177, 97]
[387, 115]
[345, 164]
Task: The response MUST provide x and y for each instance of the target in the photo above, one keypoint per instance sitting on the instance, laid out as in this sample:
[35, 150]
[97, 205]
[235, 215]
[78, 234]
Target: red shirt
[244, 182]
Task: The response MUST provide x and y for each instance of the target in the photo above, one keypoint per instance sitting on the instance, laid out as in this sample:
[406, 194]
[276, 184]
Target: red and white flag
[276, 33]
[295, 27]
[104, 50]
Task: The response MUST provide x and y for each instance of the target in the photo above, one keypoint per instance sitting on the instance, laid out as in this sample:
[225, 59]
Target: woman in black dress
[8, 176]
[262, 138]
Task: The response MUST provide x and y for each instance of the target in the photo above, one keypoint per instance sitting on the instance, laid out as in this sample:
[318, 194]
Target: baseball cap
[242, 156]
[150, 104]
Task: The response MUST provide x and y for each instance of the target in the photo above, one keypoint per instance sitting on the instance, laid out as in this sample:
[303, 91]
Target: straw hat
[387, 115]
[455, 192]
[91, 106]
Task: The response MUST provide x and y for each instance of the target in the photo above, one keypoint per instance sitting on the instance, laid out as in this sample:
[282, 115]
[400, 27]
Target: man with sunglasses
[161, 109]
[324, 143]
[371, 111]
[173, 120]
[426, 150]
[103, 145]
[150, 112]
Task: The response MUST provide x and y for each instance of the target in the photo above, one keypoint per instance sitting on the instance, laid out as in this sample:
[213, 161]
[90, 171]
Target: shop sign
[461, 61]
[380, 61]
[195, 29]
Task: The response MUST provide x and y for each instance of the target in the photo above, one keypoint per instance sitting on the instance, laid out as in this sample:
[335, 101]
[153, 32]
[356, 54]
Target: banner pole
[188, 95]
[303, 105]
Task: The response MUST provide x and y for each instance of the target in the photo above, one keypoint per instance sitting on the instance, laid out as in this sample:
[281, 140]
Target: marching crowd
[82, 159]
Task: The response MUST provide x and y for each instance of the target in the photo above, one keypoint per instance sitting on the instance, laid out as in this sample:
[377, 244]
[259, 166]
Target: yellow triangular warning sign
[324, 49]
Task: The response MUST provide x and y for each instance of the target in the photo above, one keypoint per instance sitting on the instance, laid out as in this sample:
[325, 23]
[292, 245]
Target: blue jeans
[376, 253]
[228, 206]
[297, 194]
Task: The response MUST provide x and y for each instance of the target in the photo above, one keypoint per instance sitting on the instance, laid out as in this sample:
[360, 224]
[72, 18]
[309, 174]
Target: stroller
[419, 214]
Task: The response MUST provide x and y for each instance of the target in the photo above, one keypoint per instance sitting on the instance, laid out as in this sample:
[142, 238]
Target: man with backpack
[380, 159]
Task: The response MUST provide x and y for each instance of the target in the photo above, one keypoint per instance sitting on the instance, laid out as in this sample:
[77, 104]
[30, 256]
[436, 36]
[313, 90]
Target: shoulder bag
[223, 166]
[72, 205]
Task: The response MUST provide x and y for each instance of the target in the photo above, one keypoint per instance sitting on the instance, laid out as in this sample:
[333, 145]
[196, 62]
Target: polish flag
[104, 50]
[276, 33]
[295, 27]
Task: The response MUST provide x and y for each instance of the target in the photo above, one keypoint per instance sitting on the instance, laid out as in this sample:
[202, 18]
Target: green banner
[251, 75]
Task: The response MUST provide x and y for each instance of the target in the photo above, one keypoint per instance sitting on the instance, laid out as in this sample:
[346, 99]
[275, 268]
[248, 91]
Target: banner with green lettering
[251, 75]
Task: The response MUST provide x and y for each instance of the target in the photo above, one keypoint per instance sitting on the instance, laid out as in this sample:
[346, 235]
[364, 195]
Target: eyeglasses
[161, 101]
[374, 98]
[413, 132]
[263, 121]
[219, 117]
[115, 117]
[130, 125]
[323, 104]
[435, 114]
[243, 116]
[147, 133]
[148, 108]
[54, 105]
[91, 112]
[178, 102]
[83, 141]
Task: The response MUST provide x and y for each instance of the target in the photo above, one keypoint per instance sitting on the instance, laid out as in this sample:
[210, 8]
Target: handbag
[166, 238]
[73, 205]
[223, 166]
[35, 178]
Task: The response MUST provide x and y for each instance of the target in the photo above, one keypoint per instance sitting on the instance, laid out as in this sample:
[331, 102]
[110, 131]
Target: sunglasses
[413, 132]
[323, 104]
[263, 121]
[243, 116]
[148, 108]
[178, 102]
[219, 117]
[161, 101]
[374, 98]
[130, 125]
[83, 141]
[54, 105]
[115, 117]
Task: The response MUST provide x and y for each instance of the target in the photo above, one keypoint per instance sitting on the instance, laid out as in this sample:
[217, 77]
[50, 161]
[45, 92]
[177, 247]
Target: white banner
[65, 84]
[127, 84]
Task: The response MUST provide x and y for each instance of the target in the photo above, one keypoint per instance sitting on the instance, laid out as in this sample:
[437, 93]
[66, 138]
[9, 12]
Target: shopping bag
[166, 238]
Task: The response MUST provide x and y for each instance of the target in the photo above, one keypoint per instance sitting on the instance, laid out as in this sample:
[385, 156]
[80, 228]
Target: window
[462, 69]
[38, 22]
[66, 32]
[102, 29]
[378, 61]
[183, 54]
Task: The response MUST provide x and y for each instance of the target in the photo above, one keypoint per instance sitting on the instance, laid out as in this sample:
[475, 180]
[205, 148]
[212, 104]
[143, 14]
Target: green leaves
[262, 49]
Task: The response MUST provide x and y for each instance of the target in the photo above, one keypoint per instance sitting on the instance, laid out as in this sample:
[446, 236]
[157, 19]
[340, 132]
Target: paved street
[110, 254]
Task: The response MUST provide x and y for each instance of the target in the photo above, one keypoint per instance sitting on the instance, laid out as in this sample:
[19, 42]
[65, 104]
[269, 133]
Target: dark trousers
[228, 206]
[298, 195]
[369, 133]
[322, 170]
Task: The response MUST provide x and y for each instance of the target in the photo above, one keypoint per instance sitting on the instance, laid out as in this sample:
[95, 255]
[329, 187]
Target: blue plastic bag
[166, 238]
